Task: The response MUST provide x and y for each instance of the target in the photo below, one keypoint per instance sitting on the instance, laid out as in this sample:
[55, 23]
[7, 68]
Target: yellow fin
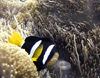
[15, 38]
[34, 59]
[37, 53]
[53, 59]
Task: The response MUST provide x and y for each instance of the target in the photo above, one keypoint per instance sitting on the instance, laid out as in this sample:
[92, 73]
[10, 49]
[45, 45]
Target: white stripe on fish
[47, 53]
[34, 47]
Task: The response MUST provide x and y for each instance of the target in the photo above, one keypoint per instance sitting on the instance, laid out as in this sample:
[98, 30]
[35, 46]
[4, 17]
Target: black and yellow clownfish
[42, 50]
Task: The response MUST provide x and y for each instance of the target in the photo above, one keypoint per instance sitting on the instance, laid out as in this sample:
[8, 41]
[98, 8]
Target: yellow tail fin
[15, 38]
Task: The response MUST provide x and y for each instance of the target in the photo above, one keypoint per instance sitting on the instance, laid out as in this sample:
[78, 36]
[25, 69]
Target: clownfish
[42, 51]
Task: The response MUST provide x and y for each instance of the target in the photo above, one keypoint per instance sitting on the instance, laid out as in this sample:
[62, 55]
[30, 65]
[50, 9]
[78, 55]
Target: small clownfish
[42, 50]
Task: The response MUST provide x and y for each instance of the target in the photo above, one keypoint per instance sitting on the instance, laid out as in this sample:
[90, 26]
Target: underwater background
[73, 25]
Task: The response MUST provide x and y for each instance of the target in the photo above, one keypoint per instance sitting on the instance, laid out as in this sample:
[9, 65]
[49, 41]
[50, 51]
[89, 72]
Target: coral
[13, 7]
[18, 15]
[7, 69]
[6, 31]
[15, 62]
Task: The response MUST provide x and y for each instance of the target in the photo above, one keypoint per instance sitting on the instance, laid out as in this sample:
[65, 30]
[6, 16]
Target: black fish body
[47, 53]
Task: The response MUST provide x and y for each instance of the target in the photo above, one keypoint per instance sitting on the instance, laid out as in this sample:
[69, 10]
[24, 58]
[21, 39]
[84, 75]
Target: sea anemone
[15, 62]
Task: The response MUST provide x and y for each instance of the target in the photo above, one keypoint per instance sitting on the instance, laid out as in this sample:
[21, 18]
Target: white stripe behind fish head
[34, 47]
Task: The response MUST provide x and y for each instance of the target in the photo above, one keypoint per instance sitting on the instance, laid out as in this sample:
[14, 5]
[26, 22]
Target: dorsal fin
[35, 39]
[32, 39]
